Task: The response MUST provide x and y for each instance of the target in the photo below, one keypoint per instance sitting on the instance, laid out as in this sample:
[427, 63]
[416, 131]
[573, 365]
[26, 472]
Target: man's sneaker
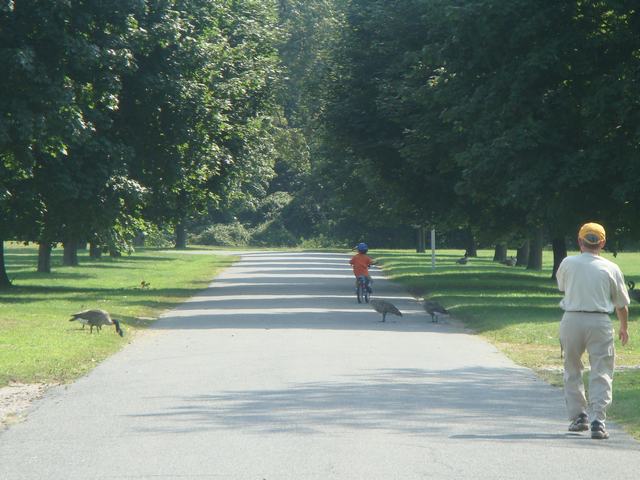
[580, 423]
[598, 431]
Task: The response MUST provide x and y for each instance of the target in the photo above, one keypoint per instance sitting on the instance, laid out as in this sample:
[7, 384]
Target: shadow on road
[310, 291]
[472, 403]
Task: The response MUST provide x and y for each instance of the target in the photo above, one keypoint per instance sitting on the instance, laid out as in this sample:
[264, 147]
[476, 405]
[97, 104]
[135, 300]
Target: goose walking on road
[384, 307]
[434, 309]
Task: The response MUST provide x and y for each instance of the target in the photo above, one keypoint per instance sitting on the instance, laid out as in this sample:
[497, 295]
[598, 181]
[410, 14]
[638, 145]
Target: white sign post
[433, 248]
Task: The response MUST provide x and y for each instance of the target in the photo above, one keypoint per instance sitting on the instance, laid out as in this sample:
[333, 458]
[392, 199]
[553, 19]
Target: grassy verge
[517, 310]
[37, 342]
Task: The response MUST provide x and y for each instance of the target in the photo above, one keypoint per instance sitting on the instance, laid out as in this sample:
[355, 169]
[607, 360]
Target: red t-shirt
[361, 264]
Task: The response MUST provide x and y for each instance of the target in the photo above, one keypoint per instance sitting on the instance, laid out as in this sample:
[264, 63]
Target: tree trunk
[535, 251]
[420, 240]
[139, 239]
[500, 254]
[4, 278]
[523, 254]
[559, 253]
[181, 236]
[44, 257]
[471, 250]
[70, 255]
[95, 250]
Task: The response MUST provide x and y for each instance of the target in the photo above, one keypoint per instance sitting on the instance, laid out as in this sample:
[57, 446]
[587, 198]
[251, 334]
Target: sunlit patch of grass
[626, 400]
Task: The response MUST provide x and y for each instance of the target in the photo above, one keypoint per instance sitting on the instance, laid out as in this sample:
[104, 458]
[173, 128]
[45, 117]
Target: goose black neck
[117, 324]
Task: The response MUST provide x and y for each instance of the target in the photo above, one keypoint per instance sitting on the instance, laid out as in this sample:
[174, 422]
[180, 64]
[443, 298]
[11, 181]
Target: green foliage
[157, 237]
[262, 209]
[61, 82]
[117, 111]
[370, 114]
[224, 235]
[273, 233]
[272, 205]
[321, 241]
[480, 113]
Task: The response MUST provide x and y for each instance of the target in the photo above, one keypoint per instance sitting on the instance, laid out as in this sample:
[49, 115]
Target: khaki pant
[592, 332]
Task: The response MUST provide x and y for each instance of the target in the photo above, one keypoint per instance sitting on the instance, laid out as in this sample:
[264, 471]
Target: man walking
[593, 288]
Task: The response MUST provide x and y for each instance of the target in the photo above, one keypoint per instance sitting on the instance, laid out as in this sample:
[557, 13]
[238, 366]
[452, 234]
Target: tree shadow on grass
[84, 261]
[498, 270]
[92, 295]
[491, 281]
[5, 298]
[55, 275]
[147, 258]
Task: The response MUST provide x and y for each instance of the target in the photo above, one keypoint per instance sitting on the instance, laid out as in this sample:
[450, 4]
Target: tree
[64, 65]
[206, 71]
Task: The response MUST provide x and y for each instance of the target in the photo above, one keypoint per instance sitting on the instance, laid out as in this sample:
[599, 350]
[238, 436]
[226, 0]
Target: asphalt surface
[275, 372]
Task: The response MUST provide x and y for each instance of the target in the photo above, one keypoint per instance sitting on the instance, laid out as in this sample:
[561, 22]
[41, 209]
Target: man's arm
[560, 276]
[623, 316]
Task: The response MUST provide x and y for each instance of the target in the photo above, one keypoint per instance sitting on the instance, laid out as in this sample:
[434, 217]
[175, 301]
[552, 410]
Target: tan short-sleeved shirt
[591, 284]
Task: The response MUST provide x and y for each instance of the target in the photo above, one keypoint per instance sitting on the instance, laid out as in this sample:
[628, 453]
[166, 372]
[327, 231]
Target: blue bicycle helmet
[362, 248]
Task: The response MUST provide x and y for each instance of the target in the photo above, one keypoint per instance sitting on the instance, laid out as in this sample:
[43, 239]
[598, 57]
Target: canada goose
[384, 307]
[509, 262]
[462, 261]
[144, 284]
[83, 321]
[96, 318]
[435, 310]
[635, 294]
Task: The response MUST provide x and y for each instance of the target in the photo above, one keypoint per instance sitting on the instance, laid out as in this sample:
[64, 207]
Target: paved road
[275, 372]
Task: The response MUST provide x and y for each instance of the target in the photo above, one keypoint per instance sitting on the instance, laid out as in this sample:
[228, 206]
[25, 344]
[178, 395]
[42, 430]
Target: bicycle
[363, 291]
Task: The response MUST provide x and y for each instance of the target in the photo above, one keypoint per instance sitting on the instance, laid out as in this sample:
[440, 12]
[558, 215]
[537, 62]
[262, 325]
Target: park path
[275, 372]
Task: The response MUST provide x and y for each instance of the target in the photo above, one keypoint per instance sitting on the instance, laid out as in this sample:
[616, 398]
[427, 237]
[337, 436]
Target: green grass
[39, 344]
[517, 310]
[626, 401]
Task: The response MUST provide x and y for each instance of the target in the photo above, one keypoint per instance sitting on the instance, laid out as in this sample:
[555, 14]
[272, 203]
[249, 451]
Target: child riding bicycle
[361, 263]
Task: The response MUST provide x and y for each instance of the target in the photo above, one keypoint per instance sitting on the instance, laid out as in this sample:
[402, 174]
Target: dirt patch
[16, 398]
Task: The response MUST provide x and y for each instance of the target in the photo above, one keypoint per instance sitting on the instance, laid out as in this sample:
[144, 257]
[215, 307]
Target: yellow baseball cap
[592, 233]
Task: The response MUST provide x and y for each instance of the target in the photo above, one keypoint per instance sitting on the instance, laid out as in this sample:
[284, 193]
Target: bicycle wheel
[360, 291]
[366, 293]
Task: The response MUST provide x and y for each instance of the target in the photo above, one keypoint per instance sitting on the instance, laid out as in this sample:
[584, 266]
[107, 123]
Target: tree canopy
[338, 119]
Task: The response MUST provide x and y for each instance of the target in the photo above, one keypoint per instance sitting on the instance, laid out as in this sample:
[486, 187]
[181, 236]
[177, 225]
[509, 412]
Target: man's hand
[623, 315]
[623, 336]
